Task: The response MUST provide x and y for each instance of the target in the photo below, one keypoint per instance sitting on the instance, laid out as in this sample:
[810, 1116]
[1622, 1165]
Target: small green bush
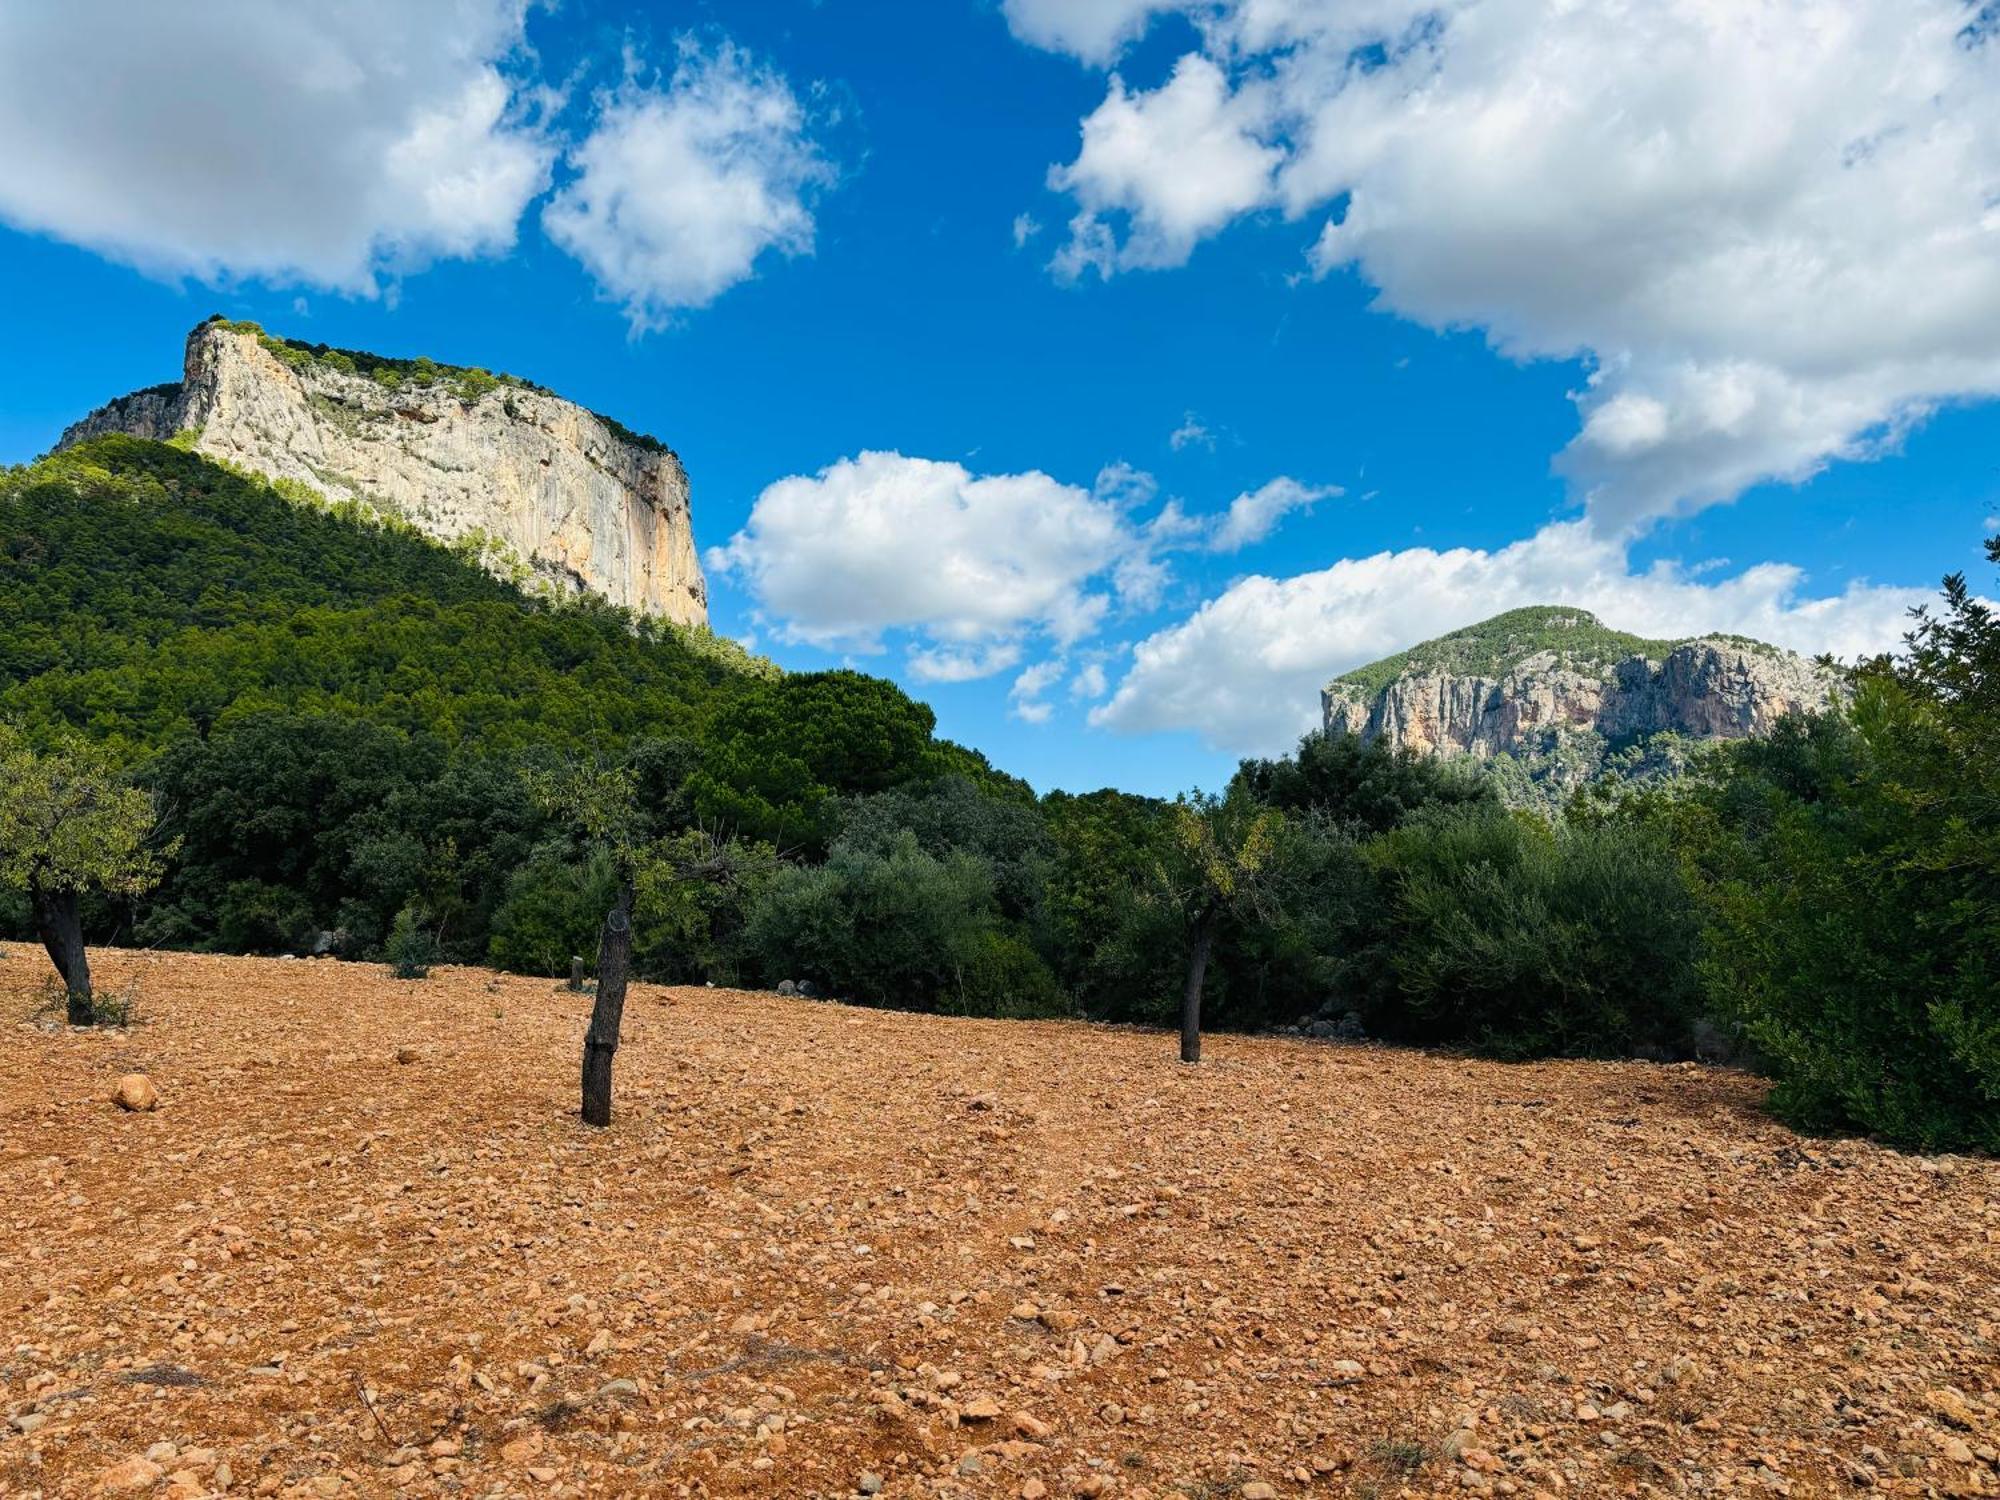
[894, 928]
[412, 948]
[255, 916]
[470, 384]
[108, 1007]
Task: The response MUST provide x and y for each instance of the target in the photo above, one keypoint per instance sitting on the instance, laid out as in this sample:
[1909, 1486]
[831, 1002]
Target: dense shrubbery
[773, 766]
[1528, 940]
[1851, 869]
[345, 728]
[893, 926]
[551, 912]
[1362, 788]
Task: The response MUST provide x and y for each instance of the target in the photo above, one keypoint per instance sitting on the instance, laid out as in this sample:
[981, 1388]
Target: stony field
[363, 1246]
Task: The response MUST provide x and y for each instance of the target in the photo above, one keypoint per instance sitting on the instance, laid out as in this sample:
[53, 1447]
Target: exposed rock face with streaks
[536, 486]
[1558, 693]
[1706, 689]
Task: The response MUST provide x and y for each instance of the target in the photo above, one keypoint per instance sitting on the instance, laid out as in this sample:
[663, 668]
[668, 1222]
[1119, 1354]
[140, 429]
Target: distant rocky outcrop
[535, 487]
[1555, 699]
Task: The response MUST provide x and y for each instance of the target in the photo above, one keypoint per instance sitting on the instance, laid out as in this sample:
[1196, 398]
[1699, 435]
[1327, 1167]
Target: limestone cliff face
[1563, 710]
[1711, 689]
[536, 485]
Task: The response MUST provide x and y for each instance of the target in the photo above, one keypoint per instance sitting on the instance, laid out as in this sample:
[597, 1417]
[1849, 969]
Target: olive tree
[70, 823]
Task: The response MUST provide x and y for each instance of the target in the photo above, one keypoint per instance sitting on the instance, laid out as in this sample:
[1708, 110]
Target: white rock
[562, 494]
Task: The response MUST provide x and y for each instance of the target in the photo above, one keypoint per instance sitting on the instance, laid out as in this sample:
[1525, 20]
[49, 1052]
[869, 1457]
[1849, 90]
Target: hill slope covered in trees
[349, 733]
[335, 711]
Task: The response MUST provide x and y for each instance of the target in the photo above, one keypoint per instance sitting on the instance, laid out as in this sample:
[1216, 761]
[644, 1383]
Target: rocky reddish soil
[363, 1246]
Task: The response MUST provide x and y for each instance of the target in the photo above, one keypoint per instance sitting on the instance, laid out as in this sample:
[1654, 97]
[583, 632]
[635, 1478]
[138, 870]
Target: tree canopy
[69, 824]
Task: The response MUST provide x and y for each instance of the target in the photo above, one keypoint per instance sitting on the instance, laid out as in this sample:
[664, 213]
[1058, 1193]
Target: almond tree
[1227, 857]
[601, 806]
[69, 823]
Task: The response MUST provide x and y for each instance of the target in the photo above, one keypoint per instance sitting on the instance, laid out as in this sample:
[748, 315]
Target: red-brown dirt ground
[364, 1246]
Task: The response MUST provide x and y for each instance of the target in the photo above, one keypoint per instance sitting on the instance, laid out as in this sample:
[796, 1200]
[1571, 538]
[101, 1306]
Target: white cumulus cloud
[1089, 681]
[338, 146]
[1027, 698]
[883, 542]
[962, 663]
[1179, 163]
[683, 186]
[1244, 671]
[1768, 226]
[1255, 514]
[325, 145]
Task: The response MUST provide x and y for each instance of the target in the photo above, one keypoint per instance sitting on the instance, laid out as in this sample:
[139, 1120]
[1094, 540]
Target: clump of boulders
[1334, 1021]
[804, 989]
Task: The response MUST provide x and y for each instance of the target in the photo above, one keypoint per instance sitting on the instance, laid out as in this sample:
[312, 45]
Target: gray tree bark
[1204, 939]
[600, 1042]
[59, 924]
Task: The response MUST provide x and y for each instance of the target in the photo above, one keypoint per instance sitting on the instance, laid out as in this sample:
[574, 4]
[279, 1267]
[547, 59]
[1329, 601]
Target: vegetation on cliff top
[1496, 646]
[467, 382]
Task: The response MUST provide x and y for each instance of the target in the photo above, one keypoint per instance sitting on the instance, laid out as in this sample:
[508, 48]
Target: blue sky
[1774, 410]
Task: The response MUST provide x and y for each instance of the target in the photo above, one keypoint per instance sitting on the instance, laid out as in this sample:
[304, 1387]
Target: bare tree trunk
[59, 924]
[576, 974]
[1204, 939]
[600, 1042]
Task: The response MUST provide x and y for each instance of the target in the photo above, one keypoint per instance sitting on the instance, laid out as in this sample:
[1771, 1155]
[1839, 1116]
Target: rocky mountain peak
[1564, 698]
[535, 487]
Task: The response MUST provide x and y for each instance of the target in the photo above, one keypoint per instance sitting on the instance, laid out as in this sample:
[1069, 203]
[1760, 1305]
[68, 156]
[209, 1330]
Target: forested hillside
[148, 592]
[356, 741]
[335, 713]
